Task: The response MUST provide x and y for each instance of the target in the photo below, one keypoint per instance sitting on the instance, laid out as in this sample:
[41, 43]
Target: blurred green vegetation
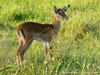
[76, 49]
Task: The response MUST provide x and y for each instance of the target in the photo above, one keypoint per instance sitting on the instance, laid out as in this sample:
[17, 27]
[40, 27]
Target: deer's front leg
[48, 51]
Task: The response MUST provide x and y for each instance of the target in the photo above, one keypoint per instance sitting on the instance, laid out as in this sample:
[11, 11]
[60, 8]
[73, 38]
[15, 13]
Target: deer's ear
[55, 9]
[68, 6]
[65, 8]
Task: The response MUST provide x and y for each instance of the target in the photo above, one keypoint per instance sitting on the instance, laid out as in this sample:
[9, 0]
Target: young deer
[29, 31]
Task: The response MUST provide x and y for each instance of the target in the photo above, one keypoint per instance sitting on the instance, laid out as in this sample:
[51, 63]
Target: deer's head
[59, 14]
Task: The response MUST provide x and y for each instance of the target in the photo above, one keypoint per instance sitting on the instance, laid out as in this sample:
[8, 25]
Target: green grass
[76, 49]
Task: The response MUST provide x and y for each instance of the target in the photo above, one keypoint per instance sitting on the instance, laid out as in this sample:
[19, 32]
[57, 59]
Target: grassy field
[76, 50]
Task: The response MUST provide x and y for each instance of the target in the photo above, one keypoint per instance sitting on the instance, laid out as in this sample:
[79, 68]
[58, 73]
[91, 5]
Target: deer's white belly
[40, 39]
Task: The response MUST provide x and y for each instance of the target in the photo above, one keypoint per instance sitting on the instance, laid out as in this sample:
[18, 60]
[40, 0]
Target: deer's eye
[60, 14]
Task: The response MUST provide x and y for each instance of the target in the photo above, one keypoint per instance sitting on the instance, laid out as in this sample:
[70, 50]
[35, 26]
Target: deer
[29, 31]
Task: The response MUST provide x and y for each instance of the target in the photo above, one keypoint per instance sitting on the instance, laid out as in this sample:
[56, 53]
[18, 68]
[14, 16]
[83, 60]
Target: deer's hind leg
[18, 57]
[23, 47]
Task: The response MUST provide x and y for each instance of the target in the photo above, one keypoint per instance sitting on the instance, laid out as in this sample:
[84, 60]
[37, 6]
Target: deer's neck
[56, 25]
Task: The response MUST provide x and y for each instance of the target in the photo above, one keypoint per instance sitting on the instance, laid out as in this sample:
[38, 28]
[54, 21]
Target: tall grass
[76, 49]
